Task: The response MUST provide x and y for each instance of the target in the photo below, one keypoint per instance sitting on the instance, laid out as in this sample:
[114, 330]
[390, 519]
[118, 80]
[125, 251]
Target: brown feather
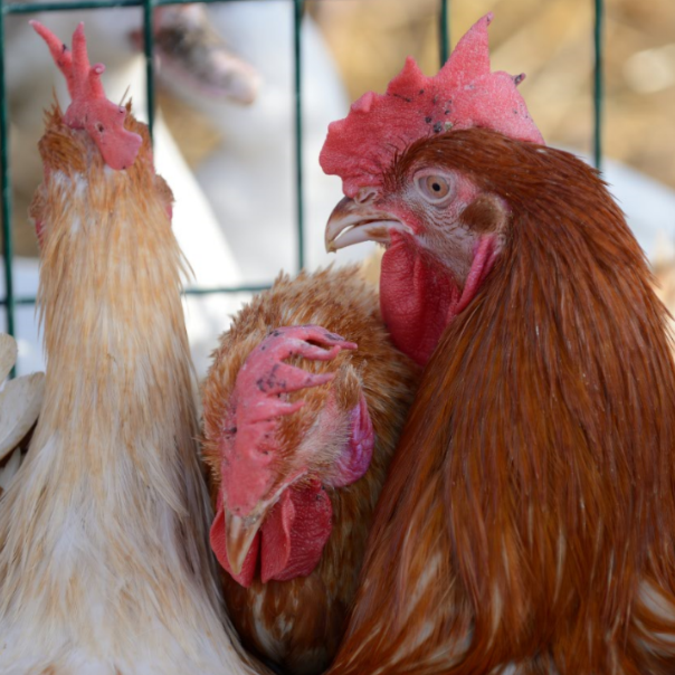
[304, 617]
[529, 515]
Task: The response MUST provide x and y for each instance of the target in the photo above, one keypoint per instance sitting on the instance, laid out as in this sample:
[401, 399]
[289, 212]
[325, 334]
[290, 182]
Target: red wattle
[291, 540]
[295, 532]
[415, 299]
[418, 298]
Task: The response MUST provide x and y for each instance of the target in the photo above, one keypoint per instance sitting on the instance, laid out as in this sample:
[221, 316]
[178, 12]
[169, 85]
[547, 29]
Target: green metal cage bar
[598, 84]
[7, 250]
[298, 7]
[10, 302]
[444, 31]
[148, 46]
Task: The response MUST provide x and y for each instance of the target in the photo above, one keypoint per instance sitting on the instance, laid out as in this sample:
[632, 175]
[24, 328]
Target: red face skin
[89, 108]
[284, 518]
[440, 247]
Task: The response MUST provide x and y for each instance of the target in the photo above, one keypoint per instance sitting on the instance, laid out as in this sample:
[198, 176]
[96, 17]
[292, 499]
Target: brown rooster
[104, 560]
[528, 521]
[293, 481]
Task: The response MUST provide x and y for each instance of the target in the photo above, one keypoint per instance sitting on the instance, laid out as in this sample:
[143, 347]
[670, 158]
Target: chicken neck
[104, 561]
[530, 502]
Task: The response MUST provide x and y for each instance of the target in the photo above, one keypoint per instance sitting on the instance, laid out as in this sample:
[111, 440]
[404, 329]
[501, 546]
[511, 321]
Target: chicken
[527, 524]
[104, 560]
[292, 477]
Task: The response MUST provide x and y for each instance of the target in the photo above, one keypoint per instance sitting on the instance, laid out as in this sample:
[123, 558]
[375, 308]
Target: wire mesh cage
[443, 10]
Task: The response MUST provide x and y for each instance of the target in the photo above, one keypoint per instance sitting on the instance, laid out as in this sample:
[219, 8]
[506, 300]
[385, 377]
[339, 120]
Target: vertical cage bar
[299, 193]
[7, 251]
[148, 42]
[598, 83]
[444, 30]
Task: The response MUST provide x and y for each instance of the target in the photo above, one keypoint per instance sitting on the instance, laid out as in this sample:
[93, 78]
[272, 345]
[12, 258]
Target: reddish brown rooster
[292, 515]
[528, 521]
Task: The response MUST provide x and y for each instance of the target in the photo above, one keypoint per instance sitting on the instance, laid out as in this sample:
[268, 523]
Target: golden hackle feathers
[529, 516]
[303, 619]
[104, 558]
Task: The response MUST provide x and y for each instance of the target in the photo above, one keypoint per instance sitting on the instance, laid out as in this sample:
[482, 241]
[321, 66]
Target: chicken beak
[194, 51]
[239, 535]
[353, 222]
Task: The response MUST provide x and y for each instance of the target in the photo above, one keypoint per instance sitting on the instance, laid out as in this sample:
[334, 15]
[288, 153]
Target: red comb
[90, 109]
[463, 94]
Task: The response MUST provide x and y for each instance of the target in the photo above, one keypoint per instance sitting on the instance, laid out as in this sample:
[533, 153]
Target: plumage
[297, 623]
[104, 560]
[528, 520]
[530, 502]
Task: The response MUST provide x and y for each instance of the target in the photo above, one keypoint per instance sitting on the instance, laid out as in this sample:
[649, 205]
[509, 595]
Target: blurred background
[225, 117]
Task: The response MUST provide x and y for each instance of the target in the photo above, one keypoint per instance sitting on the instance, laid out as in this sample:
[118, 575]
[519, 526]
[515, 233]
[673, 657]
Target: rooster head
[89, 108]
[289, 433]
[443, 231]
[82, 145]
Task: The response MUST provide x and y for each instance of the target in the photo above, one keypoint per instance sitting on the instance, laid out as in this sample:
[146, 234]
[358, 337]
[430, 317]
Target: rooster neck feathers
[103, 289]
[530, 501]
[103, 546]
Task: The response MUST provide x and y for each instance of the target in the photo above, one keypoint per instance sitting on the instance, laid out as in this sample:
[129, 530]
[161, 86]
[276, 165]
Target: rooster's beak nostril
[365, 195]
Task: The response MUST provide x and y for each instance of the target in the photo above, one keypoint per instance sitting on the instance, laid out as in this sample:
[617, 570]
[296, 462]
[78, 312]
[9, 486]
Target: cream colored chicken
[104, 559]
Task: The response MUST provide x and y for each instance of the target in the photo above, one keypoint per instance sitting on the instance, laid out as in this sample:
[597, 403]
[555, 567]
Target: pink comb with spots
[90, 109]
[463, 94]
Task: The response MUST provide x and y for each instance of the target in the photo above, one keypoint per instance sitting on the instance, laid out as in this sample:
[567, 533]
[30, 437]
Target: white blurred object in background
[250, 178]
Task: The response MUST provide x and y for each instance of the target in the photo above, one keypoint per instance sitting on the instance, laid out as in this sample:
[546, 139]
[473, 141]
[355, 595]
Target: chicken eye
[433, 188]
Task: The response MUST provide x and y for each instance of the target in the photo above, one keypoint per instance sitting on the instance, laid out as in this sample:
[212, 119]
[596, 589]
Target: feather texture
[104, 565]
[527, 524]
[298, 623]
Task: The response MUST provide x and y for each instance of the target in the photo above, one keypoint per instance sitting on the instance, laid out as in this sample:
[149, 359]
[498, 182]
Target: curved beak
[239, 536]
[353, 222]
